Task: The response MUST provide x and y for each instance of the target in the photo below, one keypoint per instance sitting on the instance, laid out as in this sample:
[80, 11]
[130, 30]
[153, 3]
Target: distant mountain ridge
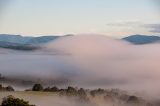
[19, 42]
[18, 39]
[142, 39]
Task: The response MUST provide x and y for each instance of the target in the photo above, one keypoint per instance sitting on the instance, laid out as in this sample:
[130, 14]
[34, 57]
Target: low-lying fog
[88, 61]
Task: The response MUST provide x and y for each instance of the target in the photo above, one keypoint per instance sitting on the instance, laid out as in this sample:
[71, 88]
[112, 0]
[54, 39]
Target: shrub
[12, 101]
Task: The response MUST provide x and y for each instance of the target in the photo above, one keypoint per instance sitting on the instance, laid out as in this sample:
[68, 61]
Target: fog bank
[90, 61]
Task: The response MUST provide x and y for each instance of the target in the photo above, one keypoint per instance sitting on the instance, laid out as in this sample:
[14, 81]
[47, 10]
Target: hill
[142, 39]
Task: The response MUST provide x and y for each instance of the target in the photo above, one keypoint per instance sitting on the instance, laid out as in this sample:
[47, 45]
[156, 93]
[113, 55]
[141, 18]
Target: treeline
[80, 94]
[109, 95]
[4, 79]
[8, 88]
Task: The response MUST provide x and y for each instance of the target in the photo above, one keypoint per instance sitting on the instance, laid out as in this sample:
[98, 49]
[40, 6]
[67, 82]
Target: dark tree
[133, 100]
[37, 87]
[48, 89]
[71, 91]
[82, 93]
[97, 92]
[1, 86]
[92, 93]
[54, 89]
[12, 101]
[9, 88]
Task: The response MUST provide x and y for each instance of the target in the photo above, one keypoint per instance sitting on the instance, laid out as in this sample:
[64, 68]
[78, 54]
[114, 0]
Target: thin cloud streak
[152, 28]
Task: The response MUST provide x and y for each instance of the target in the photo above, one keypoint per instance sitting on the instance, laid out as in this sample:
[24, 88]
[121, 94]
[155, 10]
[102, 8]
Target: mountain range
[24, 43]
[142, 39]
[19, 42]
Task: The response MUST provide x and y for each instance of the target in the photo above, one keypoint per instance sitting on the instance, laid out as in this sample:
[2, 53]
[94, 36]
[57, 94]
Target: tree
[82, 93]
[48, 89]
[71, 91]
[37, 87]
[12, 101]
[54, 89]
[97, 92]
[133, 100]
[1, 86]
[9, 88]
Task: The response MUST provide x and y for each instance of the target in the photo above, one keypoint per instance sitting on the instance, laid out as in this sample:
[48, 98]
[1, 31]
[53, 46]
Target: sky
[115, 18]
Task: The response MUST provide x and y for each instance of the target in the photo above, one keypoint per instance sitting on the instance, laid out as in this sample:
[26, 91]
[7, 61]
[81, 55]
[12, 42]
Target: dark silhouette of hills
[18, 39]
[142, 39]
[19, 42]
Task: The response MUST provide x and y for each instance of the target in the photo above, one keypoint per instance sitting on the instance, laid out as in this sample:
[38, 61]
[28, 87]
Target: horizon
[120, 37]
[51, 17]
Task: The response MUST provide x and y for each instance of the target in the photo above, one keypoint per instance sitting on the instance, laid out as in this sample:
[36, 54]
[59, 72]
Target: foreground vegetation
[12, 101]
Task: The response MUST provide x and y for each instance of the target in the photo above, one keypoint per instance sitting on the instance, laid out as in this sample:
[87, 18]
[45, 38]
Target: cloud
[102, 61]
[155, 28]
[125, 24]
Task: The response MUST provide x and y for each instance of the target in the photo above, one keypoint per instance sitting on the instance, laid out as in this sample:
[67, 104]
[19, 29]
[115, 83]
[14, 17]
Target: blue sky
[57, 17]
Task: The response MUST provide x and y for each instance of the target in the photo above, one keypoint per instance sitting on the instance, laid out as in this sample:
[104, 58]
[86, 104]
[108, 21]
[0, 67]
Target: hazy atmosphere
[101, 62]
[79, 53]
